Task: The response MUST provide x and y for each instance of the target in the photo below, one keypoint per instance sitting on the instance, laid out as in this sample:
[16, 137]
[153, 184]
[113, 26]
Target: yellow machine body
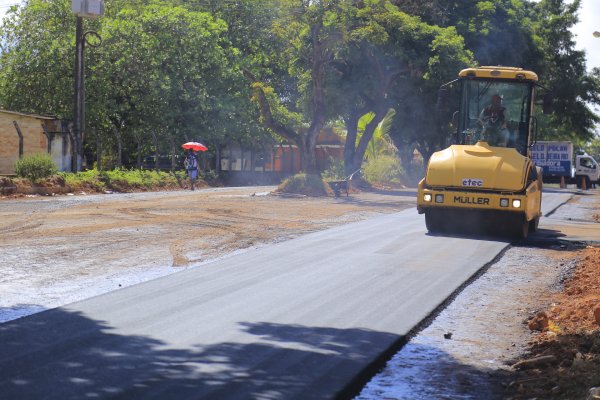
[479, 177]
[477, 184]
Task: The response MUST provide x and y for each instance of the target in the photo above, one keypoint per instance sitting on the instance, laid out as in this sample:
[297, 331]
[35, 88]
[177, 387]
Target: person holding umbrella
[191, 166]
[191, 160]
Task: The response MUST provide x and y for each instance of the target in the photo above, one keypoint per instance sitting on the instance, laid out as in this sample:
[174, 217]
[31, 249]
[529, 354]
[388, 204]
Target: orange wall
[34, 140]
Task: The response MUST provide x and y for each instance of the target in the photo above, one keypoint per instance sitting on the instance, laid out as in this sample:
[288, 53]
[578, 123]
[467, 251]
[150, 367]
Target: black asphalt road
[298, 320]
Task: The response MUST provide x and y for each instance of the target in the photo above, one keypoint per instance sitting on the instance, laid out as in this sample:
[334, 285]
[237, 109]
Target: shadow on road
[65, 355]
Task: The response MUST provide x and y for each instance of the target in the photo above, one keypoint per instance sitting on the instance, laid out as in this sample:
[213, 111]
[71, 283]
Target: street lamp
[596, 34]
[81, 9]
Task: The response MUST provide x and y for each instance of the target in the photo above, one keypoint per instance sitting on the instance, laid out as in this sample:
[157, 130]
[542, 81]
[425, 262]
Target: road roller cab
[487, 181]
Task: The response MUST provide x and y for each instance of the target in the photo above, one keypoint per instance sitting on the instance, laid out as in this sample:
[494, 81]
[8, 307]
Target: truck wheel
[516, 226]
[524, 231]
[533, 224]
[433, 222]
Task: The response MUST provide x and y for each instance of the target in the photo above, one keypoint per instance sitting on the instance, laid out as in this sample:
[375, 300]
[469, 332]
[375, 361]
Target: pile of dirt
[305, 184]
[563, 358]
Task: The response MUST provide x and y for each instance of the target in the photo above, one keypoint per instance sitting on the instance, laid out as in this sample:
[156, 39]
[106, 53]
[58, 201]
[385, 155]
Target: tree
[161, 71]
[308, 34]
[393, 60]
[166, 82]
[563, 71]
[37, 54]
[535, 35]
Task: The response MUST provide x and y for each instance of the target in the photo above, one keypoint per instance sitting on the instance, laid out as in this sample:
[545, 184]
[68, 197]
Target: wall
[34, 140]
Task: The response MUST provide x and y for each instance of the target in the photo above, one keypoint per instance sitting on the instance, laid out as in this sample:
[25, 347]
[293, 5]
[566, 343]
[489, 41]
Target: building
[273, 162]
[25, 134]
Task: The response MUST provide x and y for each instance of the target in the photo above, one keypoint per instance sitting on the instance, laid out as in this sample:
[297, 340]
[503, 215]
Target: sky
[5, 4]
[589, 21]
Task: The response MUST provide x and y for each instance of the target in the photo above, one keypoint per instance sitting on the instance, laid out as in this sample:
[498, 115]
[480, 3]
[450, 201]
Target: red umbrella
[196, 146]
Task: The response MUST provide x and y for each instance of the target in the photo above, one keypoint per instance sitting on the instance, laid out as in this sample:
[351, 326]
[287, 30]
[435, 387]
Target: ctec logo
[472, 182]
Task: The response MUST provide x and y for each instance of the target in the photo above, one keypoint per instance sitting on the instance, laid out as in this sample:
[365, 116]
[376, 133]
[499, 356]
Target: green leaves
[35, 167]
[168, 71]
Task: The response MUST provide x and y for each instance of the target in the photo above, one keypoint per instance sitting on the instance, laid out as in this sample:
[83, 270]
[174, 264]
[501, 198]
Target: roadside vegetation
[94, 181]
[37, 174]
[122, 180]
[35, 167]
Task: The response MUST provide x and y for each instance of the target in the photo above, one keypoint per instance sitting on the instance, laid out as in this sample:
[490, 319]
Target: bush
[383, 169]
[84, 180]
[122, 180]
[35, 167]
[307, 184]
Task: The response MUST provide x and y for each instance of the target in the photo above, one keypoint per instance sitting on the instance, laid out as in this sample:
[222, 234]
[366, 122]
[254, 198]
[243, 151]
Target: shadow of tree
[60, 354]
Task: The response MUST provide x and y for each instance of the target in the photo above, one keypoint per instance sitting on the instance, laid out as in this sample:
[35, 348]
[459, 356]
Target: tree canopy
[251, 72]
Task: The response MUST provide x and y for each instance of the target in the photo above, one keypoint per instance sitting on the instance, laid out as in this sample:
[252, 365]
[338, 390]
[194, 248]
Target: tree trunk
[350, 145]
[218, 158]
[380, 113]
[155, 138]
[139, 153]
[306, 141]
[320, 60]
[173, 162]
[98, 149]
[119, 146]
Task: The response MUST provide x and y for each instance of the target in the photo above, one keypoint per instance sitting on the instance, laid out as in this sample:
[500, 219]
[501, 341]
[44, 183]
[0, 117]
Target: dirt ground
[97, 243]
[562, 360]
[60, 249]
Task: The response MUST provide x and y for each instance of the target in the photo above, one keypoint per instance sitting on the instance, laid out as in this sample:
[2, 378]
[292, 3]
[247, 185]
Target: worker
[493, 119]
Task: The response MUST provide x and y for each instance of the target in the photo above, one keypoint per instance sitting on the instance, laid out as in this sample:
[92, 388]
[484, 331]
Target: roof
[46, 117]
[499, 72]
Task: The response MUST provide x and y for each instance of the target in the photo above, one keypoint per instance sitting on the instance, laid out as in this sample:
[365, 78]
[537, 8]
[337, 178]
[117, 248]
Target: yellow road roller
[487, 182]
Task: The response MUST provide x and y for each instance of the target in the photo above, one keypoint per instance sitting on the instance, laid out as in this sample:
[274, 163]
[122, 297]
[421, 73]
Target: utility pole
[78, 112]
[81, 9]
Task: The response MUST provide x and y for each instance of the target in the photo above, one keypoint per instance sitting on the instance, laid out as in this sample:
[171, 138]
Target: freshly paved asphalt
[298, 320]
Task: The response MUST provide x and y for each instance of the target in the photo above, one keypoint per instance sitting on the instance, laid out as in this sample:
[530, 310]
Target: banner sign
[555, 158]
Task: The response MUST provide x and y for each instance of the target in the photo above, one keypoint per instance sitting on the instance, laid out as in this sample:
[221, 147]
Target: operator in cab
[493, 119]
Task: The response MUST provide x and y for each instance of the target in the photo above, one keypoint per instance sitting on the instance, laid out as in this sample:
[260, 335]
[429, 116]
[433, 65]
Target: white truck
[559, 163]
